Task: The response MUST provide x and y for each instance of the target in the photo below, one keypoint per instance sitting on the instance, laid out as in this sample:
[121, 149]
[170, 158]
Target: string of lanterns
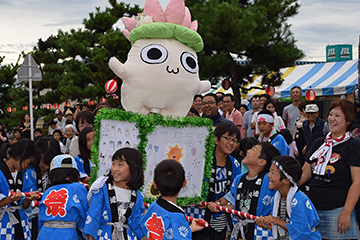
[110, 87]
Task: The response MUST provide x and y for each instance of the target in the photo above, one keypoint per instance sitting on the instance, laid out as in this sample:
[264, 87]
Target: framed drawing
[188, 140]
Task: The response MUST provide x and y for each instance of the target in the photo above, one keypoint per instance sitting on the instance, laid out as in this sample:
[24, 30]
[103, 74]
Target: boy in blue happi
[116, 204]
[13, 159]
[250, 192]
[224, 170]
[293, 216]
[265, 122]
[63, 207]
[164, 219]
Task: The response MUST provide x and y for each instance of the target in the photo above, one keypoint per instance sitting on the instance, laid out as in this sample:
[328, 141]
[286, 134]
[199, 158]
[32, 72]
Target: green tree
[74, 63]
[7, 90]
[254, 31]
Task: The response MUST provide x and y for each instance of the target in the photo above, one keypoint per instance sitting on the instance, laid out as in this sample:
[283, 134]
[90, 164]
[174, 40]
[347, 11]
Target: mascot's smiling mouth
[172, 71]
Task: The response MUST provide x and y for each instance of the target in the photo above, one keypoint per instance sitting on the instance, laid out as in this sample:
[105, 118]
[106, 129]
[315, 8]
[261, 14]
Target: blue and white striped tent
[327, 79]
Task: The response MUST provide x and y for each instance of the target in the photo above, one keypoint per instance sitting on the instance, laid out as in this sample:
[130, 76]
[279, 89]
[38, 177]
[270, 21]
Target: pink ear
[175, 11]
[194, 25]
[187, 18]
[126, 33]
[129, 23]
[153, 8]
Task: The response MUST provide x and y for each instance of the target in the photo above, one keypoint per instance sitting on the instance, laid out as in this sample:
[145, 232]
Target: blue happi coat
[63, 202]
[166, 221]
[80, 165]
[303, 218]
[8, 229]
[100, 213]
[264, 206]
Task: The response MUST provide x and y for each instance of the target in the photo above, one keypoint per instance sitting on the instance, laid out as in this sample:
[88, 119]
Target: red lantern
[91, 102]
[25, 108]
[116, 97]
[48, 106]
[33, 106]
[270, 90]
[111, 86]
[56, 105]
[103, 100]
[13, 110]
[67, 103]
[9, 109]
[226, 84]
[310, 95]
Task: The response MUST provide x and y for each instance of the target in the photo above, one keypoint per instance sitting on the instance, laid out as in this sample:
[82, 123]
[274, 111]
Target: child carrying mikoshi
[224, 170]
[164, 219]
[13, 160]
[116, 204]
[83, 162]
[293, 216]
[63, 207]
[269, 134]
[250, 192]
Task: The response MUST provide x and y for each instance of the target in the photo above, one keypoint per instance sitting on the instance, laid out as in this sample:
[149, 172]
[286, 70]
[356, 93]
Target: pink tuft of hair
[176, 12]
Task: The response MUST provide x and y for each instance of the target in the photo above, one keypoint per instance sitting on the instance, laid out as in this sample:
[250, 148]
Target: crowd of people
[298, 173]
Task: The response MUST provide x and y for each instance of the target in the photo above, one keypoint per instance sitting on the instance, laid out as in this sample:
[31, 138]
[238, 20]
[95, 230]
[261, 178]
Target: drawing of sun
[175, 153]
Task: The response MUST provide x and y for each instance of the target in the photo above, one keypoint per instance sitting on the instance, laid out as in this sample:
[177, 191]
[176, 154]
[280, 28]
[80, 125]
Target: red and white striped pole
[232, 211]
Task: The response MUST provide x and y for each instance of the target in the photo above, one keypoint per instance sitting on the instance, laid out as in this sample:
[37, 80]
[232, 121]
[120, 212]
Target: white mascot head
[161, 74]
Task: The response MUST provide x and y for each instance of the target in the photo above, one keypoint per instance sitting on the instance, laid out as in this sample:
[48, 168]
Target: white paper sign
[186, 145]
[113, 136]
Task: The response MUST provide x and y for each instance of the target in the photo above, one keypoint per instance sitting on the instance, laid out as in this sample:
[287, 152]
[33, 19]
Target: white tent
[327, 79]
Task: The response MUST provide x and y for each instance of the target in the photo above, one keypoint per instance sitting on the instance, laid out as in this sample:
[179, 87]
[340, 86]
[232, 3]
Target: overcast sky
[319, 23]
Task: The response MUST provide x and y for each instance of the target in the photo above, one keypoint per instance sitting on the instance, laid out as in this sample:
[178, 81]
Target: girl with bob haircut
[333, 162]
[83, 162]
[115, 202]
[38, 172]
[63, 207]
[13, 160]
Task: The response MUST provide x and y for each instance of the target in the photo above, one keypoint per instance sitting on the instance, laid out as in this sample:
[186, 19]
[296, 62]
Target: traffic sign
[29, 71]
[29, 68]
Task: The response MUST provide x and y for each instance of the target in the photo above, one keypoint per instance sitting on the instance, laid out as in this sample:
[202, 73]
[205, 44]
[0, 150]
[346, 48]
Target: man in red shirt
[232, 114]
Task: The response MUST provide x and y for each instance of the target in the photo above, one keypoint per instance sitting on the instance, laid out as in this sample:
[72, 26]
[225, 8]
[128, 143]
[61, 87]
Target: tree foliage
[8, 92]
[74, 63]
[255, 31]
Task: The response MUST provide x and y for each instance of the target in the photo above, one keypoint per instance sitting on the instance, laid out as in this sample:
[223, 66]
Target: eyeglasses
[229, 139]
[210, 103]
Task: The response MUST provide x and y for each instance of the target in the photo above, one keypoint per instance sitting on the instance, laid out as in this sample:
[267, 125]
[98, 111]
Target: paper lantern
[33, 106]
[111, 86]
[310, 95]
[13, 110]
[270, 90]
[103, 100]
[116, 97]
[226, 84]
[48, 106]
[67, 103]
[25, 108]
[56, 105]
[9, 109]
[91, 102]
